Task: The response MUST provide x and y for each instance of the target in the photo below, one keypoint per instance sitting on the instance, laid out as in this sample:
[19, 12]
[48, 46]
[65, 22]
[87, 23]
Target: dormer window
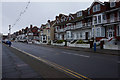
[69, 18]
[57, 21]
[65, 18]
[96, 8]
[112, 4]
[79, 14]
[62, 20]
[88, 12]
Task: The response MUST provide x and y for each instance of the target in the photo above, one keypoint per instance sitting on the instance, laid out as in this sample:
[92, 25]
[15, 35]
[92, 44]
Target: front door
[110, 32]
[86, 35]
[63, 37]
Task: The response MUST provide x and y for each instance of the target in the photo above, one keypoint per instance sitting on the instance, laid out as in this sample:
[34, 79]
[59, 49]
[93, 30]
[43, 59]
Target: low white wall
[62, 44]
[113, 47]
[79, 45]
[83, 45]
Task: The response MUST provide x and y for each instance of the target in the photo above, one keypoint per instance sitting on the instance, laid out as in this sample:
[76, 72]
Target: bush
[49, 43]
[80, 42]
[60, 41]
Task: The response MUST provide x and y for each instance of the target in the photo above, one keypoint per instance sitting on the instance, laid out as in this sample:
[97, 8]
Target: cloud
[50, 0]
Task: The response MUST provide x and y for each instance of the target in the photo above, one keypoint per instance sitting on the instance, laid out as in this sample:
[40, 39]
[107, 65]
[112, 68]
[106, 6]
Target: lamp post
[39, 34]
[9, 38]
[94, 36]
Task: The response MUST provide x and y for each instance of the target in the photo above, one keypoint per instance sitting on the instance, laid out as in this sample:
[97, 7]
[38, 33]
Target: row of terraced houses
[101, 20]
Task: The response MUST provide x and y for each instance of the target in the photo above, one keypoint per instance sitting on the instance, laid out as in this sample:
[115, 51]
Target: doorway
[110, 32]
[86, 35]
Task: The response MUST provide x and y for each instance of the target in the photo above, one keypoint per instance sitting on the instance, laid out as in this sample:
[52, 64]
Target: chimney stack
[31, 26]
[48, 21]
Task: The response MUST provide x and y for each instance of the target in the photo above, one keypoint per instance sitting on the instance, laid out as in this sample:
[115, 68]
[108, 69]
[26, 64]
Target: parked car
[9, 43]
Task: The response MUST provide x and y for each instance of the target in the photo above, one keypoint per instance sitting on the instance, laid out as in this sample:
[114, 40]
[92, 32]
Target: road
[85, 63]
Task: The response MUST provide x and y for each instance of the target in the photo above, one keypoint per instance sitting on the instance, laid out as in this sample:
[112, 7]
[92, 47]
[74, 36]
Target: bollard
[95, 47]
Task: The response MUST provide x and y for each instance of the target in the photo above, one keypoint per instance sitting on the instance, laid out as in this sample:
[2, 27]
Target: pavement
[0, 61]
[86, 63]
[100, 51]
[14, 67]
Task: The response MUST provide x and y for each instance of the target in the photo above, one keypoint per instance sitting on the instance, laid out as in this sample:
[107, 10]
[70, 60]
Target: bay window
[98, 32]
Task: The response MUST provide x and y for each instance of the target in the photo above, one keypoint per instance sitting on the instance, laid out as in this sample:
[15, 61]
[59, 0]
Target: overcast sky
[37, 13]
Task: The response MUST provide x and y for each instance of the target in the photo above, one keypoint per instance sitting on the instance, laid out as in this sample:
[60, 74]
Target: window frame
[79, 14]
[98, 32]
[118, 30]
[119, 15]
[99, 20]
[96, 8]
[111, 4]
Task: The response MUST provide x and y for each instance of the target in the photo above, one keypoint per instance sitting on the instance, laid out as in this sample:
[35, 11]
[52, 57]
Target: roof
[95, 2]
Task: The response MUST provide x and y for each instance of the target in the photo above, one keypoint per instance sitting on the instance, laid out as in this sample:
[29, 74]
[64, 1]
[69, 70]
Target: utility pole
[94, 35]
[9, 32]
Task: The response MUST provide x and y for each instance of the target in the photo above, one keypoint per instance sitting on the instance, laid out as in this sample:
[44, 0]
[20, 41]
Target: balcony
[69, 28]
[89, 24]
[60, 30]
[116, 19]
[78, 26]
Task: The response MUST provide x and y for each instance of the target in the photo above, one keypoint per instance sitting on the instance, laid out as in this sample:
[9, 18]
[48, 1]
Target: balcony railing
[111, 20]
[69, 28]
[60, 30]
[89, 24]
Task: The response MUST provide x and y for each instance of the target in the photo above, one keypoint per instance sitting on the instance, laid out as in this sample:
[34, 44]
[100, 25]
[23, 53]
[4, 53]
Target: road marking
[77, 54]
[21, 65]
[57, 53]
[65, 68]
[118, 62]
[70, 72]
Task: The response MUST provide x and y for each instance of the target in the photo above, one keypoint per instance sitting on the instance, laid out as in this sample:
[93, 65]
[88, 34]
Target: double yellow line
[68, 71]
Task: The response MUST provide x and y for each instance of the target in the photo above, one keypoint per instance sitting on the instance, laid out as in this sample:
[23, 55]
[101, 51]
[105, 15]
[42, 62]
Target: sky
[38, 12]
